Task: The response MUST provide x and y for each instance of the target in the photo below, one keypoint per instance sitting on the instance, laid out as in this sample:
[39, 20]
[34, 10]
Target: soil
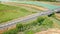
[50, 31]
[58, 16]
[27, 5]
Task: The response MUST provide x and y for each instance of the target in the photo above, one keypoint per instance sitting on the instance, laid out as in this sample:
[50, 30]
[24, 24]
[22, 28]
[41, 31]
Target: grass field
[11, 12]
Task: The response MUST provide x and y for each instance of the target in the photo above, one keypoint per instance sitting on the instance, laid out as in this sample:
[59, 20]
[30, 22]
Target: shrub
[29, 32]
[47, 23]
[20, 27]
[34, 23]
[41, 19]
[53, 14]
[23, 27]
[12, 31]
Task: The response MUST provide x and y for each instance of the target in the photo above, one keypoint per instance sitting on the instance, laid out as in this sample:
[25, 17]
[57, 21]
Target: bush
[29, 32]
[53, 14]
[12, 31]
[20, 27]
[47, 23]
[34, 23]
[41, 19]
[23, 27]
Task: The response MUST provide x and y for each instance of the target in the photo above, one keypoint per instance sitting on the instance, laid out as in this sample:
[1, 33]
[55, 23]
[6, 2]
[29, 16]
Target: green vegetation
[53, 15]
[11, 12]
[42, 22]
[29, 32]
[47, 23]
[12, 31]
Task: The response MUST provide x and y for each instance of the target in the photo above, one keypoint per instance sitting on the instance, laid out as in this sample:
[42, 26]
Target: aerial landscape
[29, 16]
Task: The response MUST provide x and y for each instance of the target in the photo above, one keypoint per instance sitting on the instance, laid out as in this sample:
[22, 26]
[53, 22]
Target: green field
[11, 12]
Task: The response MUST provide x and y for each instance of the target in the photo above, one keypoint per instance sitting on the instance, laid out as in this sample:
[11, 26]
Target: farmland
[11, 12]
[29, 17]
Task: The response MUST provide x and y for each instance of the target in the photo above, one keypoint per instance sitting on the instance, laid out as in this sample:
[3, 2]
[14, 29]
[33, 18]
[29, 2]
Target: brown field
[50, 31]
[58, 16]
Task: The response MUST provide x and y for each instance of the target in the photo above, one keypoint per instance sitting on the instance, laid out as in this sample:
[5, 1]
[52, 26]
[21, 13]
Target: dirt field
[58, 16]
[50, 31]
[33, 6]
